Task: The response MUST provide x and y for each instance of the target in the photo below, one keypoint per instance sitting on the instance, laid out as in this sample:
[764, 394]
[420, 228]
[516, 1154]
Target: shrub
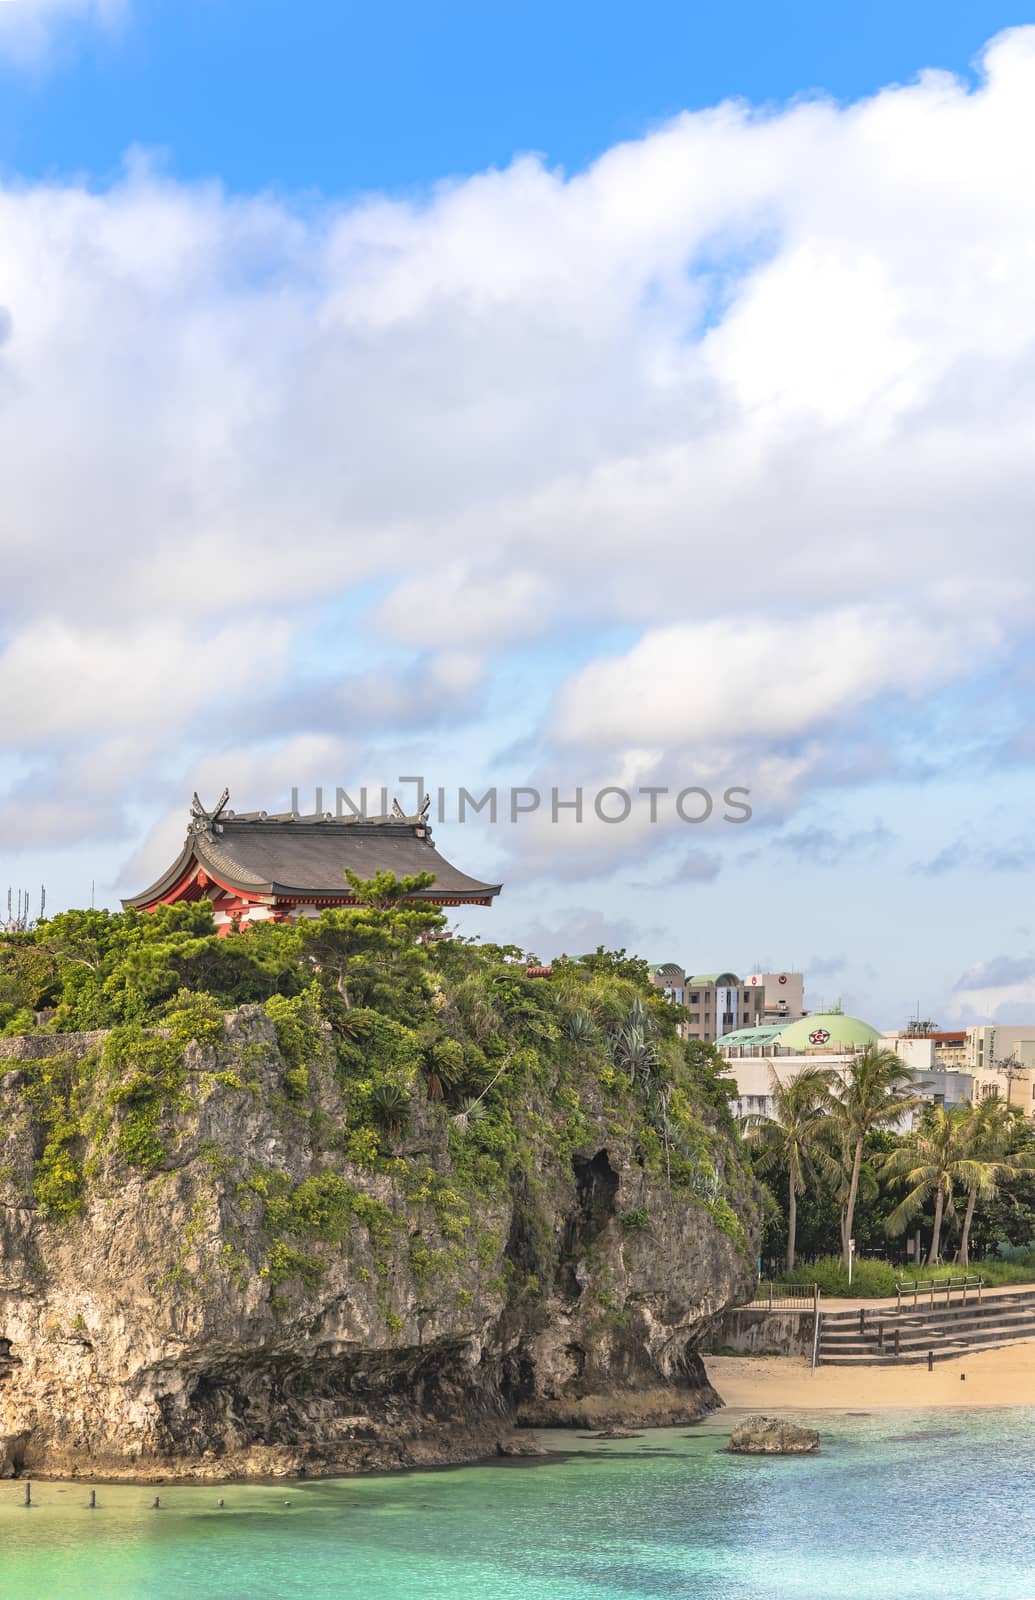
[1024, 1253]
[194, 1016]
[150, 1075]
[297, 1025]
[361, 1146]
[876, 1278]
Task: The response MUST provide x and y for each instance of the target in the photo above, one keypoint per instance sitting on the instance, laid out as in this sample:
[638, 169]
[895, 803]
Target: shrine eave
[286, 861]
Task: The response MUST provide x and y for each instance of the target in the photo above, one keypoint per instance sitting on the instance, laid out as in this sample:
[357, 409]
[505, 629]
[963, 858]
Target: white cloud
[58, 681]
[259, 778]
[733, 428]
[446, 605]
[27, 27]
[747, 677]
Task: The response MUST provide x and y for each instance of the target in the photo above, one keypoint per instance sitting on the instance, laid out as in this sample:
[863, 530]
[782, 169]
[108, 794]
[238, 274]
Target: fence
[786, 1296]
[928, 1289]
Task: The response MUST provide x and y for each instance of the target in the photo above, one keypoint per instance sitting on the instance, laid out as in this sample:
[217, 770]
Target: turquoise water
[899, 1505]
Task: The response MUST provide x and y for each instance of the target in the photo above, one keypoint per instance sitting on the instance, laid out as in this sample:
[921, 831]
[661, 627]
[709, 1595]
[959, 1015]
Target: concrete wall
[753, 1330]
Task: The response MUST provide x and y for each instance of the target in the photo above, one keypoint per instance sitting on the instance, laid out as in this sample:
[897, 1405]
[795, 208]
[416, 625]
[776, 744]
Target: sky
[580, 399]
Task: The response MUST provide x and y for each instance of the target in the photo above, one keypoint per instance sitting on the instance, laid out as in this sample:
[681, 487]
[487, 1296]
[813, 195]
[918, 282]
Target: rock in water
[519, 1444]
[772, 1436]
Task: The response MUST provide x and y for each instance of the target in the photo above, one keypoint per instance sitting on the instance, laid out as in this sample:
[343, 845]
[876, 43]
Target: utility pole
[1010, 1068]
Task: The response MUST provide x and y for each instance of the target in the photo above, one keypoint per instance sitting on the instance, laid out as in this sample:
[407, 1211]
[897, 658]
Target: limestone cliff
[251, 1299]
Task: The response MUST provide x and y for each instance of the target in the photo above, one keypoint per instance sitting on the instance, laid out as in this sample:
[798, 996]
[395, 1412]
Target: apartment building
[783, 994]
[715, 1003]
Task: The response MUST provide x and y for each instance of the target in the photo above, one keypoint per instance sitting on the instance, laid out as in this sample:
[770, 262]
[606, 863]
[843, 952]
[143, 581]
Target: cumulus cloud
[729, 433]
[753, 678]
[447, 605]
[63, 681]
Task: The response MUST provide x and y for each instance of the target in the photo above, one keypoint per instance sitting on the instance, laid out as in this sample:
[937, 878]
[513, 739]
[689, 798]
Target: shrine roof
[288, 856]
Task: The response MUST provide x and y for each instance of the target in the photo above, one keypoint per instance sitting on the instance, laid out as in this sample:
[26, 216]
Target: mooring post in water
[156, 1504]
[27, 1499]
[93, 1498]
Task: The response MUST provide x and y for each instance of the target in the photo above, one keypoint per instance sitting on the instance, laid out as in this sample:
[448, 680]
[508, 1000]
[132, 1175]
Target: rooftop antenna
[19, 912]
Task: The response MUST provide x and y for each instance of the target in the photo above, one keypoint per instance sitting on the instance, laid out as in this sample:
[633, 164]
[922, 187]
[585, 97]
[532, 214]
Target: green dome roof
[842, 1033]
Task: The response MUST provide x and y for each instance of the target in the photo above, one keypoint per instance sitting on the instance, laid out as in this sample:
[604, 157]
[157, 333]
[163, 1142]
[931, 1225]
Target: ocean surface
[899, 1506]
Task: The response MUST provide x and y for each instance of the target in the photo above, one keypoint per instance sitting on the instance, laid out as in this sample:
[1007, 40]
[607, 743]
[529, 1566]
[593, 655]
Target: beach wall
[754, 1330]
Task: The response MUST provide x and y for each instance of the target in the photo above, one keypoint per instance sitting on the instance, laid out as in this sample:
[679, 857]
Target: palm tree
[788, 1137]
[935, 1159]
[872, 1094]
[989, 1126]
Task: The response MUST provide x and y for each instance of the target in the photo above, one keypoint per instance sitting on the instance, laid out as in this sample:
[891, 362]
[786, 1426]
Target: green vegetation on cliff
[504, 1069]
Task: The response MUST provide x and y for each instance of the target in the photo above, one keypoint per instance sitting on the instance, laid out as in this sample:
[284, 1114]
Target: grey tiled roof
[295, 857]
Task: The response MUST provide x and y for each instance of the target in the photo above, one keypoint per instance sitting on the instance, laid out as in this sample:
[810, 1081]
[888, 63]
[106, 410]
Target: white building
[1001, 1057]
[829, 1041]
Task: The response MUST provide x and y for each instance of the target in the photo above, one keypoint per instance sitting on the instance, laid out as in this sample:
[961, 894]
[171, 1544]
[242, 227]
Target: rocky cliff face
[255, 1303]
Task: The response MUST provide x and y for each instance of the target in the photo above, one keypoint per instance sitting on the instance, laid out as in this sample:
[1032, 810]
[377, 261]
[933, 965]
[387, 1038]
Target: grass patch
[877, 1279]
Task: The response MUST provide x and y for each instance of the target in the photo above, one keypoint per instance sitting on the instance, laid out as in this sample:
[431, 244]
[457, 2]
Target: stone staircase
[945, 1331]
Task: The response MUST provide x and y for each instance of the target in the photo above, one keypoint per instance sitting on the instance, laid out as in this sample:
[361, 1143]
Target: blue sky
[343, 97]
[481, 393]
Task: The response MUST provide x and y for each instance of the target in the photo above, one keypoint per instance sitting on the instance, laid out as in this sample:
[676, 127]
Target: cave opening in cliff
[596, 1189]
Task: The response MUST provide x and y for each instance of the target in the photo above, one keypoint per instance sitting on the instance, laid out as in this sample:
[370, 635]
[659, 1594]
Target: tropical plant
[935, 1160]
[443, 1063]
[474, 1109]
[389, 1104]
[990, 1126]
[580, 1027]
[872, 1094]
[790, 1136]
[633, 1047]
[471, 1112]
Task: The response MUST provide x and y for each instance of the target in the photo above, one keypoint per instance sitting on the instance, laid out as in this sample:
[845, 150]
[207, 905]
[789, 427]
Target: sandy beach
[772, 1383]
